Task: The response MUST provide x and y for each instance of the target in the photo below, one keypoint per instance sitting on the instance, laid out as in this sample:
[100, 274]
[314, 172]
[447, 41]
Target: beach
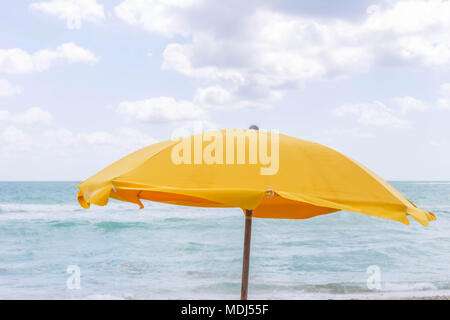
[174, 252]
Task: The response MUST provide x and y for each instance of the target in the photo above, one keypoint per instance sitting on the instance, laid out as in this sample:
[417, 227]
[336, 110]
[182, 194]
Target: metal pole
[246, 256]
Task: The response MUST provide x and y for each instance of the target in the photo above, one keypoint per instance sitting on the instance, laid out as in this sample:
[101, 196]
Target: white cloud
[31, 116]
[12, 135]
[277, 51]
[376, 114]
[137, 137]
[179, 57]
[18, 61]
[333, 137]
[130, 137]
[161, 109]
[219, 97]
[408, 104]
[65, 142]
[161, 16]
[96, 138]
[7, 89]
[270, 50]
[347, 132]
[73, 53]
[59, 137]
[416, 31]
[214, 95]
[47, 154]
[444, 96]
[444, 103]
[72, 11]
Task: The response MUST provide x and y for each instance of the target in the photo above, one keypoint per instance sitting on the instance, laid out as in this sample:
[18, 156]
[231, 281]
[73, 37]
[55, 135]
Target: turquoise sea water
[171, 252]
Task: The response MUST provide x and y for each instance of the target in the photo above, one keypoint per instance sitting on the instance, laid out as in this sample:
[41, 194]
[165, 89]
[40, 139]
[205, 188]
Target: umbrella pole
[246, 256]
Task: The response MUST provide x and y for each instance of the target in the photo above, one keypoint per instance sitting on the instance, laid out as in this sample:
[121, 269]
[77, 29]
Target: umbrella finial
[253, 127]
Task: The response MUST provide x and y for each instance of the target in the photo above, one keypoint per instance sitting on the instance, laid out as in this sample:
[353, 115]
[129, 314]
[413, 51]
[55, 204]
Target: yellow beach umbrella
[268, 175]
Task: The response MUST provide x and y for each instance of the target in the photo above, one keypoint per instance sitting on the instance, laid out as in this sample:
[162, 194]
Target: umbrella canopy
[267, 175]
[311, 180]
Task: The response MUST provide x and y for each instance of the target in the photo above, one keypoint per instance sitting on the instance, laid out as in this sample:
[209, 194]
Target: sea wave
[112, 212]
[174, 252]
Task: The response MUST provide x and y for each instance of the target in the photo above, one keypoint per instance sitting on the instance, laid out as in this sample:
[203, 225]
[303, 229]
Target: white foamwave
[103, 297]
[430, 182]
[121, 212]
[408, 287]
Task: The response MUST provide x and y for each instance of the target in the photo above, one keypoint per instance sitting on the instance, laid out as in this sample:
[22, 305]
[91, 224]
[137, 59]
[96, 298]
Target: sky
[85, 82]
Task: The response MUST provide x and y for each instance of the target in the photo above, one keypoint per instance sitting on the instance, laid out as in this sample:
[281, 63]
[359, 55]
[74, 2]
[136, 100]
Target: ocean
[51, 248]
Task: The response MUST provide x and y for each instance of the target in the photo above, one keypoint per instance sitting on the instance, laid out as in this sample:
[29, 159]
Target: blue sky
[84, 82]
